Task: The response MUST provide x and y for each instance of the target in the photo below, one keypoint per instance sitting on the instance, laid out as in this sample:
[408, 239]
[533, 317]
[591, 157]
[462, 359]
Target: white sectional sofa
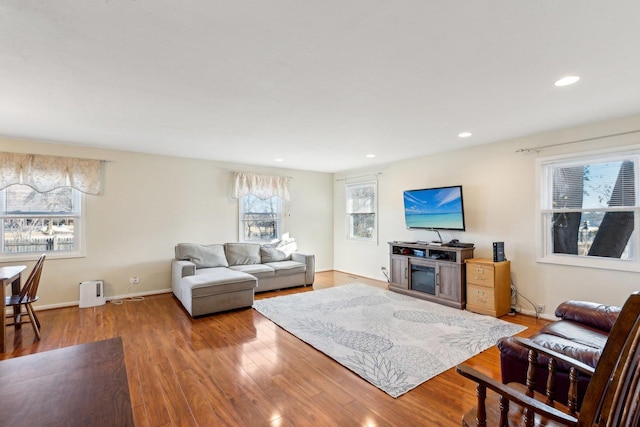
[211, 278]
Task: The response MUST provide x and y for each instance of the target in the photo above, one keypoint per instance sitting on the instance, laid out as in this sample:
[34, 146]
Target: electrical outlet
[540, 308]
[134, 280]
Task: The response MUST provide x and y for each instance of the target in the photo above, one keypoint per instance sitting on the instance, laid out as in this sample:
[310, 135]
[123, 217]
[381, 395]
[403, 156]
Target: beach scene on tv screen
[434, 208]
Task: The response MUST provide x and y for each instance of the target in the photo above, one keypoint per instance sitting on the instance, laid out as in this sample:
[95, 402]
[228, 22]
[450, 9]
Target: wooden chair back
[612, 397]
[30, 287]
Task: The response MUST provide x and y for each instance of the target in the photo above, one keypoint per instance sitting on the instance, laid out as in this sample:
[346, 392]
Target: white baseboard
[541, 315]
[116, 297]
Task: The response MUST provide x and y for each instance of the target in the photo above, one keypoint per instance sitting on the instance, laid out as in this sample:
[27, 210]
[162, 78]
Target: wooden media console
[434, 273]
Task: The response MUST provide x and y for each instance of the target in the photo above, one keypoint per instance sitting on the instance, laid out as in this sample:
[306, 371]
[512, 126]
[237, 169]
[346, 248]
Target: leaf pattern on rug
[394, 341]
[361, 301]
[378, 321]
[433, 318]
[355, 340]
[378, 370]
[414, 360]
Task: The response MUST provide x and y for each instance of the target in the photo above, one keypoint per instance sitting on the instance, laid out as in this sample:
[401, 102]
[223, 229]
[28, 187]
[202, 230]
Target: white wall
[499, 196]
[150, 203]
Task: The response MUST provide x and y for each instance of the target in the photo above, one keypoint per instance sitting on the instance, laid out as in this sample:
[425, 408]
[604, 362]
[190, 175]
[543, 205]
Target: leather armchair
[581, 334]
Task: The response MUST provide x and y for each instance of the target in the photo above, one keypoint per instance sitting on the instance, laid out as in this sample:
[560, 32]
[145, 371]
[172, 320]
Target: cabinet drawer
[481, 296]
[479, 274]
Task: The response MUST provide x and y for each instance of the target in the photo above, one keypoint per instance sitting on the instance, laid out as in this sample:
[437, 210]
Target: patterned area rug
[393, 341]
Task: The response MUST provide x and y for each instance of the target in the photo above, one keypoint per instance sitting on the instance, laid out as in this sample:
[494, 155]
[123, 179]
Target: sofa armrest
[180, 269]
[589, 313]
[183, 268]
[310, 262]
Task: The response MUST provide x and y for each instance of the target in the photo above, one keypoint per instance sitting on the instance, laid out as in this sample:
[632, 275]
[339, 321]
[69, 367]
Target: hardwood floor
[239, 369]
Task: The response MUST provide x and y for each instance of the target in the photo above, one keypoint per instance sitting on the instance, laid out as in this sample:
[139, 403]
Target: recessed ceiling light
[370, 156]
[567, 80]
[465, 134]
[279, 159]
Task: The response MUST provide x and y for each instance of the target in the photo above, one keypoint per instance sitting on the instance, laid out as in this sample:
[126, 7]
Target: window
[260, 220]
[361, 209]
[35, 223]
[588, 210]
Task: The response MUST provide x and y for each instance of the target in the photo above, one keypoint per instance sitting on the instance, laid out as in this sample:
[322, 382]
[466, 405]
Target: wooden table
[8, 275]
[81, 385]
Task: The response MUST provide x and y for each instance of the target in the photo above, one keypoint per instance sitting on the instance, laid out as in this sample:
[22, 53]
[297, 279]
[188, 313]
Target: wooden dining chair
[612, 397]
[27, 296]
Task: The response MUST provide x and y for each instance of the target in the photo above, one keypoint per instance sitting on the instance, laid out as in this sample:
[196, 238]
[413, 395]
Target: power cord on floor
[516, 293]
[118, 301]
[384, 271]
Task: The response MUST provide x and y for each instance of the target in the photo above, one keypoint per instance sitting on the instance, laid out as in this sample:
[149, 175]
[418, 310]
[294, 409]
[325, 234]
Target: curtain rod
[62, 157]
[528, 150]
[373, 174]
[279, 176]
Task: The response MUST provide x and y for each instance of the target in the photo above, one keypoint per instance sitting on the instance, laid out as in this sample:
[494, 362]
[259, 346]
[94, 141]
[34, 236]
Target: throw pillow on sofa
[288, 246]
[280, 250]
[242, 253]
[203, 256]
[272, 254]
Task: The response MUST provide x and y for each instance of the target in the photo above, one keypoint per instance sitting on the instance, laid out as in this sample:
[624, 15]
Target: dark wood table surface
[8, 275]
[81, 385]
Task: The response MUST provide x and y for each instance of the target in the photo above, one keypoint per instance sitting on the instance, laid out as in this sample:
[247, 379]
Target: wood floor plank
[154, 400]
[135, 388]
[178, 407]
[240, 369]
[225, 413]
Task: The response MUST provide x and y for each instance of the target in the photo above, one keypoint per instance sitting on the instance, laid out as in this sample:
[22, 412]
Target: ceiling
[318, 84]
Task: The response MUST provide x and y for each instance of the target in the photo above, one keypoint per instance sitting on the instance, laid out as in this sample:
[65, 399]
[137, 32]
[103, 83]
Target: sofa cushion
[257, 270]
[269, 254]
[218, 281]
[581, 334]
[596, 315]
[203, 256]
[283, 268]
[242, 253]
[586, 354]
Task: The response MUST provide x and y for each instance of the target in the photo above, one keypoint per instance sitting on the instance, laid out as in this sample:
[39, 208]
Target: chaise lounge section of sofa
[212, 278]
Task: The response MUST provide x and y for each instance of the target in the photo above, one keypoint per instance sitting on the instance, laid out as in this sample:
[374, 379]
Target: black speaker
[498, 252]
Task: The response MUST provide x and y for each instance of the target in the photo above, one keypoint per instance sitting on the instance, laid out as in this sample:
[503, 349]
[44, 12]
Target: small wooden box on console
[433, 273]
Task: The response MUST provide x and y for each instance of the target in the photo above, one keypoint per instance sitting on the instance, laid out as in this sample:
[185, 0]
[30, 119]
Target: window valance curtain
[46, 173]
[261, 186]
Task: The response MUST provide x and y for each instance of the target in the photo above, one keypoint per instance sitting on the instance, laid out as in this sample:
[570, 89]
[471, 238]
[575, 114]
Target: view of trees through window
[260, 220]
[593, 208]
[361, 211]
[38, 222]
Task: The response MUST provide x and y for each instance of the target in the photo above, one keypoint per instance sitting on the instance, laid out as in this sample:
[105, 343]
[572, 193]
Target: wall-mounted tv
[434, 208]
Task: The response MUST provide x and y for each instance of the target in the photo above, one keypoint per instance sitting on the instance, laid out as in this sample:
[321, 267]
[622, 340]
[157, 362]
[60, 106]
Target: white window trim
[543, 243]
[80, 241]
[374, 238]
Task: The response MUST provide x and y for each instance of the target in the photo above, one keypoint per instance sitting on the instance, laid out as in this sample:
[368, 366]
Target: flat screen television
[439, 208]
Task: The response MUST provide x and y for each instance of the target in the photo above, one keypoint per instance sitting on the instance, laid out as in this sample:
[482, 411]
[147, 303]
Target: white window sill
[33, 256]
[591, 262]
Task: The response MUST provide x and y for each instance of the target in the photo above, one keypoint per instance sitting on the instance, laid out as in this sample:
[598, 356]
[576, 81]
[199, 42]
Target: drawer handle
[480, 278]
